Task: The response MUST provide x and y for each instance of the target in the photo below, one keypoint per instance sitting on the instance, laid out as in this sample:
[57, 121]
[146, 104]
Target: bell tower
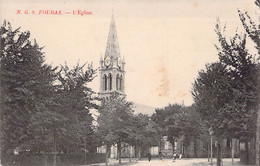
[112, 73]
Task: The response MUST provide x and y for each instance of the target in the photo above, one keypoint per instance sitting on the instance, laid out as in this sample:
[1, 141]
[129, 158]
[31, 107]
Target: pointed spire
[112, 49]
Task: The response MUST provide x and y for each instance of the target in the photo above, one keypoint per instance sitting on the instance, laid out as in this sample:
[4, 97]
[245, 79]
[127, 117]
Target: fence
[27, 159]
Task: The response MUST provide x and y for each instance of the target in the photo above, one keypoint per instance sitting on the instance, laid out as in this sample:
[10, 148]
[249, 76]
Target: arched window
[121, 83]
[110, 81]
[104, 82]
[117, 82]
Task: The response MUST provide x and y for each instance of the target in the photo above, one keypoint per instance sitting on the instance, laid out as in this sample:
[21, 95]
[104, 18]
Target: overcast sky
[165, 43]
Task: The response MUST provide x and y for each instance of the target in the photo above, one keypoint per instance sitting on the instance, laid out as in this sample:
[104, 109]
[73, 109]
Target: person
[174, 157]
[160, 155]
[149, 156]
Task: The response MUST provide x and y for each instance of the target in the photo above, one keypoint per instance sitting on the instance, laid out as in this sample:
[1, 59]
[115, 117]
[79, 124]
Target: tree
[67, 124]
[193, 127]
[211, 93]
[42, 110]
[178, 121]
[146, 133]
[242, 69]
[75, 101]
[48, 130]
[115, 122]
[26, 84]
[170, 119]
[253, 31]
[239, 72]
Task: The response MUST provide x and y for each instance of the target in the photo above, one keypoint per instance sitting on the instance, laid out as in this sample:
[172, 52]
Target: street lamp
[211, 133]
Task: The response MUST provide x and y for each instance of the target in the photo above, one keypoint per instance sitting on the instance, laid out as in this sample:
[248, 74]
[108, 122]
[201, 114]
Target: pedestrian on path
[149, 156]
[174, 157]
[160, 155]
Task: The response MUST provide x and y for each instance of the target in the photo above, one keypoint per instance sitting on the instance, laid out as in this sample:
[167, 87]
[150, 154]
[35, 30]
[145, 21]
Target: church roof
[144, 109]
[112, 49]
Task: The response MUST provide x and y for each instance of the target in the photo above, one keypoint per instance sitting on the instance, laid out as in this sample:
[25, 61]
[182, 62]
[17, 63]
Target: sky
[165, 43]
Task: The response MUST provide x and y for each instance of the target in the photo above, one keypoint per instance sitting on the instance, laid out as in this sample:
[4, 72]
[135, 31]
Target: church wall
[154, 150]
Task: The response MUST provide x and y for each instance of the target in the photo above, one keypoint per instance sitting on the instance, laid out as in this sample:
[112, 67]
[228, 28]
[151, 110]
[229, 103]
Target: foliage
[115, 122]
[26, 86]
[242, 69]
[177, 121]
[211, 93]
[193, 125]
[253, 32]
[42, 110]
[170, 119]
[68, 124]
[251, 28]
[76, 100]
[225, 94]
[146, 132]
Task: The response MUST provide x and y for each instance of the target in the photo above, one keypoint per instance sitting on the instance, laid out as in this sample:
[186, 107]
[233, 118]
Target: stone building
[112, 66]
[112, 80]
[199, 148]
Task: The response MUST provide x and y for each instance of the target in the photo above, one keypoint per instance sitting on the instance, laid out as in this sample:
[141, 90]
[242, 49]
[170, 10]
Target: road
[169, 162]
[185, 162]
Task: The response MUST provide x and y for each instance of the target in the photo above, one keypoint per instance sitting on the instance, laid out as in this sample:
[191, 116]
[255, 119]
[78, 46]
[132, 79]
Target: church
[112, 79]
[112, 66]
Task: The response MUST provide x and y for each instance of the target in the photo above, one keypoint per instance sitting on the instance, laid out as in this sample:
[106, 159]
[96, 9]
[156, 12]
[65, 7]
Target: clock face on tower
[107, 61]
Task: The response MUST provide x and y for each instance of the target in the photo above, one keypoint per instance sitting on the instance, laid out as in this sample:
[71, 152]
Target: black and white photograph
[130, 82]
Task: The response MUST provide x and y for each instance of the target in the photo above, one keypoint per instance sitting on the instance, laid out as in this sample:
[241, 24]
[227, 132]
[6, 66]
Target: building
[199, 148]
[112, 66]
[112, 80]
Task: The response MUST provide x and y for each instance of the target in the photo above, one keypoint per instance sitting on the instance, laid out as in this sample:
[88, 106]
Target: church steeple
[112, 74]
[112, 49]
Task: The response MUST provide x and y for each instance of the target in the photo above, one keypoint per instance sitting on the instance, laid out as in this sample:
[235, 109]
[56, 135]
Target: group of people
[175, 156]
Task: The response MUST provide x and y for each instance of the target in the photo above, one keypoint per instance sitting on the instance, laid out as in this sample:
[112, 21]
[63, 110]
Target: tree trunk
[211, 150]
[247, 152]
[208, 152]
[45, 159]
[136, 151]
[129, 149]
[173, 145]
[232, 150]
[257, 143]
[85, 150]
[55, 148]
[195, 148]
[139, 151]
[183, 150]
[119, 151]
[107, 153]
[219, 153]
